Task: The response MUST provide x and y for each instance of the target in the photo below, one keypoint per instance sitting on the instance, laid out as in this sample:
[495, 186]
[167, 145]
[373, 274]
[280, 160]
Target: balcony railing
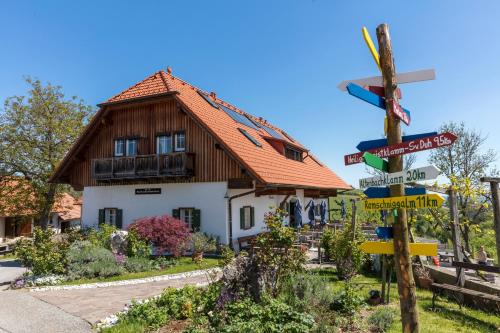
[144, 166]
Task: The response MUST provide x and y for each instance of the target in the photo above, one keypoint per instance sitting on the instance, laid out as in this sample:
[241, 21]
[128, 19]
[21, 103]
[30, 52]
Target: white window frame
[163, 138]
[247, 215]
[176, 141]
[119, 142]
[110, 216]
[127, 148]
[186, 215]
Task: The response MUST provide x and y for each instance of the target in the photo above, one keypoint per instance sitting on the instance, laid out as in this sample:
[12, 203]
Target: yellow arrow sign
[416, 249]
[373, 50]
[407, 202]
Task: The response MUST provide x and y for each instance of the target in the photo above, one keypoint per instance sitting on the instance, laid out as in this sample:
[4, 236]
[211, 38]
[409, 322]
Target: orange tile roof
[265, 162]
[67, 207]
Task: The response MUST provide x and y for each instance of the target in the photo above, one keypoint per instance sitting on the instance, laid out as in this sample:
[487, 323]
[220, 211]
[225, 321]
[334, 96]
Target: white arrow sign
[423, 75]
[402, 177]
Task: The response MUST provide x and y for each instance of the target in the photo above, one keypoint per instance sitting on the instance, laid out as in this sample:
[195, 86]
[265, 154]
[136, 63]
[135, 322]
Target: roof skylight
[239, 118]
[273, 133]
[209, 101]
[250, 137]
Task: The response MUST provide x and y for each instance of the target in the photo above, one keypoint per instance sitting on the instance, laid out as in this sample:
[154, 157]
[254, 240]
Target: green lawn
[184, 265]
[7, 256]
[448, 317]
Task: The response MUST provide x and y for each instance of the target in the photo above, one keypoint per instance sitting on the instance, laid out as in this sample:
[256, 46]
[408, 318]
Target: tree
[36, 131]
[463, 163]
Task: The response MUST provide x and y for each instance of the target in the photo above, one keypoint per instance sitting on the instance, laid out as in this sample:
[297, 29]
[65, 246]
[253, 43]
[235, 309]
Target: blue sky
[281, 60]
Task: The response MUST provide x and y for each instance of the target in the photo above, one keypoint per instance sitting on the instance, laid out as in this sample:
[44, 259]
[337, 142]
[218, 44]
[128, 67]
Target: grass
[184, 264]
[7, 256]
[448, 317]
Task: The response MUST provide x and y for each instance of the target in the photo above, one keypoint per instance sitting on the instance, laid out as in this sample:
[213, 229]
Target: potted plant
[202, 243]
[424, 277]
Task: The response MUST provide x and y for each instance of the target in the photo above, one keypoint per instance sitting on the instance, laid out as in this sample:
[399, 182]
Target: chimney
[213, 95]
[169, 70]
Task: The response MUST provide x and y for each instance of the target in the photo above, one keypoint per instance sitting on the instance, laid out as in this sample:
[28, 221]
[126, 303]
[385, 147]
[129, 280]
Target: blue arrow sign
[384, 192]
[379, 143]
[384, 232]
[369, 97]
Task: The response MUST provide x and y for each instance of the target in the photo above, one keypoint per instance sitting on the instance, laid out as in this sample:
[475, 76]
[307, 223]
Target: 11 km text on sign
[403, 177]
[408, 147]
[406, 202]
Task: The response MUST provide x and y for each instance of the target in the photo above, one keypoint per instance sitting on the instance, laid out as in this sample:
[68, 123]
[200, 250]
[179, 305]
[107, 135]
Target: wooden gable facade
[203, 160]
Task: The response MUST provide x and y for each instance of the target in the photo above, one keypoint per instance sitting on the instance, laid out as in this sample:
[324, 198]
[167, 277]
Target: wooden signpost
[372, 144]
[403, 177]
[376, 100]
[404, 202]
[416, 249]
[408, 147]
[375, 162]
[384, 192]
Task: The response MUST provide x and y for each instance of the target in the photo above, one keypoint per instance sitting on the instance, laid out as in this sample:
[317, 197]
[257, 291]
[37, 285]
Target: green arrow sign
[375, 162]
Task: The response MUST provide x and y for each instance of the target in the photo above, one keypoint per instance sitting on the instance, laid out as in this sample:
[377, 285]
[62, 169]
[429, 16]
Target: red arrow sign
[407, 147]
[398, 112]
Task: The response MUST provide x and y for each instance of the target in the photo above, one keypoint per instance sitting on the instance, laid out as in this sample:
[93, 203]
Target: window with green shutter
[119, 218]
[191, 216]
[111, 216]
[176, 213]
[196, 220]
[247, 217]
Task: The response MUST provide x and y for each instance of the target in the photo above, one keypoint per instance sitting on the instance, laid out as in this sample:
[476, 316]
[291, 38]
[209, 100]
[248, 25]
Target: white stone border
[128, 282]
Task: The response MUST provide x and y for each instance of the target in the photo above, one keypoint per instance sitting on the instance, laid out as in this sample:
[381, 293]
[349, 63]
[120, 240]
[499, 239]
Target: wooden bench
[458, 292]
[246, 242]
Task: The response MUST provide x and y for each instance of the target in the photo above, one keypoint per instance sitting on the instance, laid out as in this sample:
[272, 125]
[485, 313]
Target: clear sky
[281, 60]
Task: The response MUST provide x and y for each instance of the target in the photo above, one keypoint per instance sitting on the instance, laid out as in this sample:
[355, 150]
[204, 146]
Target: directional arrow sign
[408, 202]
[402, 177]
[376, 100]
[375, 162]
[416, 76]
[372, 144]
[416, 249]
[385, 192]
[408, 147]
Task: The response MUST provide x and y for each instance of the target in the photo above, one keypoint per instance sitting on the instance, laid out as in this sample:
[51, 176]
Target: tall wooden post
[404, 274]
[455, 232]
[495, 198]
[353, 221]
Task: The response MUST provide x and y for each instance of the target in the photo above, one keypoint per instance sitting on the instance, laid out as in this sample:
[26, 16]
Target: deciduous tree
[36, 131]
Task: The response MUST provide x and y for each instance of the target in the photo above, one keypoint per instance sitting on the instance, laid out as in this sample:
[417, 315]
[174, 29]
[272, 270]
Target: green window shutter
[119, 218]
[242, 218]
[252, 216]
[176, 213]
[101, 216]
[196, 224]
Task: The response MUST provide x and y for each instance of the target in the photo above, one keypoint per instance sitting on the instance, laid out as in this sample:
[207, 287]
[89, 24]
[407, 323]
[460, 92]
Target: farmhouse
[164, 146]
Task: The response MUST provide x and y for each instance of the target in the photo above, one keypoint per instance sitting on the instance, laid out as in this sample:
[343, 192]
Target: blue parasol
[310, 213]
[322, 211]
[343, 211]
[298, 214]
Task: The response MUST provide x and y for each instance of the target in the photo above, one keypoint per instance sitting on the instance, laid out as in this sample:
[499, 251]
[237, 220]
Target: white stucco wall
[208, 197]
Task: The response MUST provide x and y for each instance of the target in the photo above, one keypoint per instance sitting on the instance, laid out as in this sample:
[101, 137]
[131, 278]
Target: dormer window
[293, 154]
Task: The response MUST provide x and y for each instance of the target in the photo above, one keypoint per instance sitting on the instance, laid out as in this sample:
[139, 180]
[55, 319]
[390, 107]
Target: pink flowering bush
[166, 233]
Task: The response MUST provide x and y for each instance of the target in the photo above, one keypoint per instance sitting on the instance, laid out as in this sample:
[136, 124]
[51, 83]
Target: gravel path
[20, 312]
[94, 304]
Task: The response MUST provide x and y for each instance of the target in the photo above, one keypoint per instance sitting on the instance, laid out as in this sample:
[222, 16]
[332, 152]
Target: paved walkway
[9, 270]
[98, 303]
[20, 312]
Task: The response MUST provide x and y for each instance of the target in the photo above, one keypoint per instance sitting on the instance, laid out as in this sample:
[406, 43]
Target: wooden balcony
[144, 166]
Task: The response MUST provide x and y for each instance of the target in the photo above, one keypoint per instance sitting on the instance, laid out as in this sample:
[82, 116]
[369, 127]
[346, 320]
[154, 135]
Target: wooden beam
[490, 179]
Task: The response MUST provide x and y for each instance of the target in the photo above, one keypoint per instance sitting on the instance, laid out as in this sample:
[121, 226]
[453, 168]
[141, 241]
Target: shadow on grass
[457, 315]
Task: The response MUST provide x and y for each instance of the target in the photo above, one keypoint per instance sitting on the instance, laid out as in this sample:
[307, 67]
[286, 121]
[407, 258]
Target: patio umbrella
[343, 211]
[310, 213]
[298, 214]
[322, 211]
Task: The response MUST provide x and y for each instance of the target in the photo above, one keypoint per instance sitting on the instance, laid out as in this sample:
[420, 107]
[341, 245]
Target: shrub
[276, 252]
[137, 246]
[271, 315]
[88, 261]
[165, 232]
[306, 292]
[381, 319]
[42, 254]
[203, 243]
[137, 264]
[163, 262]
[101, 236]
[327, 242]
[345, 252]
[347, 301]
